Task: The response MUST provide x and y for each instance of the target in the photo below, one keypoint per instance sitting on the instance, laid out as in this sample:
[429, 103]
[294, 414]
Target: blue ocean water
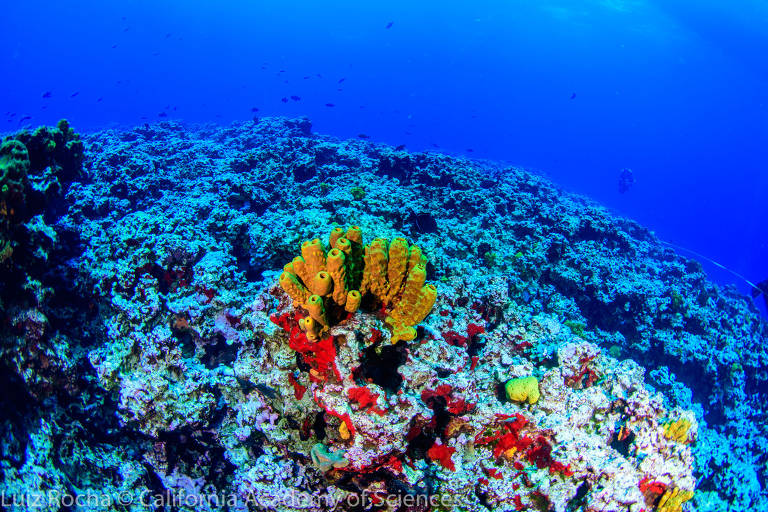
[673, 90]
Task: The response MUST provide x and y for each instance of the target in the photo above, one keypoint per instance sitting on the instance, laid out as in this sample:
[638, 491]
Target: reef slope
[163, 359]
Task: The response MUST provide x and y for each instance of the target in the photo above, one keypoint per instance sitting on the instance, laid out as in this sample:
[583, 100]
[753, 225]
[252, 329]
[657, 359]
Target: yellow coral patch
[678, 430]
[344, 431]
[523, 389]
[672, 500]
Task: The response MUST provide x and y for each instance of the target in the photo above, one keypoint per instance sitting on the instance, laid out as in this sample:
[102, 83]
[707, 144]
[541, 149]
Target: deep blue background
[675, 90]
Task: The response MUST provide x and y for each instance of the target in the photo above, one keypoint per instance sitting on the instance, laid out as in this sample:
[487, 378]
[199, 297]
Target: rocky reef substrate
[150, 358]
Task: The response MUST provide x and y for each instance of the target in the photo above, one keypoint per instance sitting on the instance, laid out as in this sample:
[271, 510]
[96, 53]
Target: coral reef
[166, 348]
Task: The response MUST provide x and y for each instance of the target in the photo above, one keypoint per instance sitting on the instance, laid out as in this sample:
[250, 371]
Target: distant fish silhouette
[47, 94]
[162, 114]
[74, 94]
[626, 180]
[99, 100]
[400, 147]
[307, 77]
[363, 136]
[168, 35]
[573, 96]
[284, 100]
[330, 105]
[762, 288]
[25, 118]
[254, 109]
[114, 46]
[470, 150]
[341, 80]
[296, 98]
[389, 25]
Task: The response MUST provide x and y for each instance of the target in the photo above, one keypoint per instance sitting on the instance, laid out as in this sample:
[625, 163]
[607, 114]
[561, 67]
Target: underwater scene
[384, 256]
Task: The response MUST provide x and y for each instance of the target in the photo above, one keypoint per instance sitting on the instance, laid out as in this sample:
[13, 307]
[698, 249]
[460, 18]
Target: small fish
[114, 46]
[330, 105]
[389, 25]
[339, 89]
[254, 109]
[470, 150]
[307, 77]
[47, 94]
[341, 80]
[168, 35]
[319, 75]
[25, 118]
[296, 98]
[99, 100]
[401, 147]
[363, 136]
[162, 114]
[284, 100]
[74, 94]
[573, 96]
[435, 145]
[126, 29]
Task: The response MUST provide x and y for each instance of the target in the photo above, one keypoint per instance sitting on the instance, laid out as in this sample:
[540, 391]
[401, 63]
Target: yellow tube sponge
[523, 389]
[389, 274]
[424, 303]
[316, 309]
[321, 284]
[672, 500]
[343, 245]
[353, 301]
[336, 233]
[294, 288]
[400, 331]
[355, 235]
[415, 257]
[301, 269]
[311, 327]
[375, 269]
[314, 255]
[336, 268]
[396, 268]
[413, 285]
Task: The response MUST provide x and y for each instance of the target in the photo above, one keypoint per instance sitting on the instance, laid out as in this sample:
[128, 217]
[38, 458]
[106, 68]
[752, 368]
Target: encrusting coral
[330, 286]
